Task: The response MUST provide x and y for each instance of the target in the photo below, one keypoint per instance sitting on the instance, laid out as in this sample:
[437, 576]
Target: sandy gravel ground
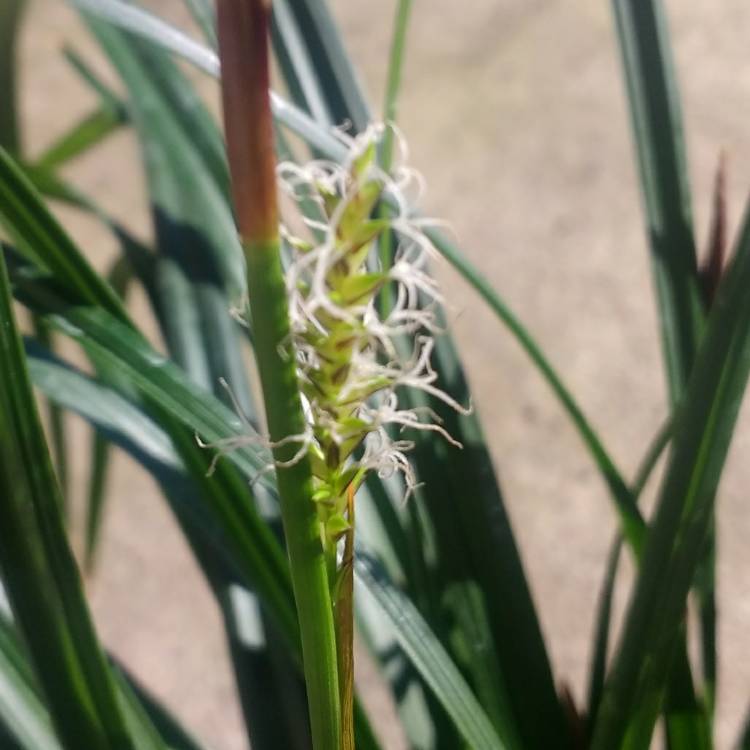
[515, 114]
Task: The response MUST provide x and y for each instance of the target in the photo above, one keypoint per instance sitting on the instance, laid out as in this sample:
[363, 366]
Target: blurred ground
[514, 111]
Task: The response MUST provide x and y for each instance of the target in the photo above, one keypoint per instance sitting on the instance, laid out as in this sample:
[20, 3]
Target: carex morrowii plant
[364, 401]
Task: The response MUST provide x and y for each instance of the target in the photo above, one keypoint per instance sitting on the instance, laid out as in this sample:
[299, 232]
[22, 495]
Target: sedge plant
[360, 494]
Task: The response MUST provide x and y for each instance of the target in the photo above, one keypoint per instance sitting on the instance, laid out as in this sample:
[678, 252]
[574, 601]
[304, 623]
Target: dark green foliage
[443, 601]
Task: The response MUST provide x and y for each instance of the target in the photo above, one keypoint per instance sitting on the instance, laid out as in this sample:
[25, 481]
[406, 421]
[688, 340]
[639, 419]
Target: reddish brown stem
[243, 40]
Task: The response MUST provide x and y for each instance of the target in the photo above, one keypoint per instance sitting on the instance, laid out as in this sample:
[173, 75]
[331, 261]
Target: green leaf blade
[683, 519]
[430, 659]
[38, 567]
[11, 13]
[657, 127]
[40, 237]
[21, 711]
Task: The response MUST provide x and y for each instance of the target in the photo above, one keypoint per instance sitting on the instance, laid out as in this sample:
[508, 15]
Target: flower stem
[301, 526]
[243, 50]
[345, 630]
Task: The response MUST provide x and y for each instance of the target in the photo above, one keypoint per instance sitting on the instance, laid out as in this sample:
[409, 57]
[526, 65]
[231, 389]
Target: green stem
[243, 50]
[301, 526]
[345, 632]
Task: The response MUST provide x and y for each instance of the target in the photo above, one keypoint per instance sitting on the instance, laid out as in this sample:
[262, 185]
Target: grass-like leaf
[203, 14]
[88, 132]
[295, 64]
[38, 568]
[165, 36]
[743, 743]
[181, 147]
[480, 556]
[135, 431]
[220, 549]
[92, 129]
[429, 657]
[40, 237]
[198, 274]
[119, 277]
[175, 735]
[332, 68]
[675, 544]
[179, 135]
[657, 124]
[109, 332]
[22, 712]
[654, 102]
[597, 674]
[396, 61]
[139, 21]
[223, 555]
[11, 12]
[56, 421]
[112, 414]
